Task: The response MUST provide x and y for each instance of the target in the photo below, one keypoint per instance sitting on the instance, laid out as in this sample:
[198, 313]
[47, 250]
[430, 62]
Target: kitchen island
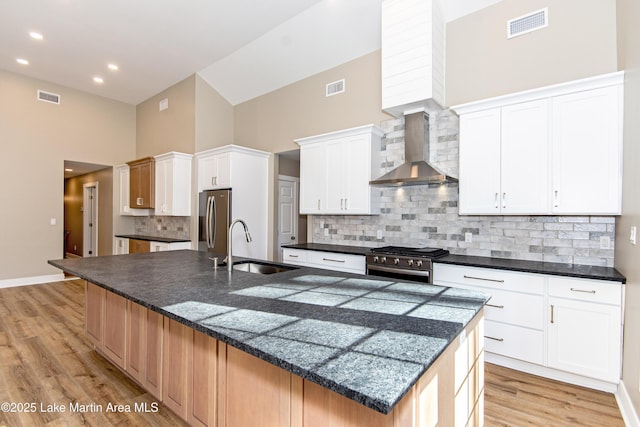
[300, 347]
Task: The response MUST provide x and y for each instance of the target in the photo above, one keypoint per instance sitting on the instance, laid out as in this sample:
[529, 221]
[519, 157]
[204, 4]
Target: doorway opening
[82, 207]
[291, 226]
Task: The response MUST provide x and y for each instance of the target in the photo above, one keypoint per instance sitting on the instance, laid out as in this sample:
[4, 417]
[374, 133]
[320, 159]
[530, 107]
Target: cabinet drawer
[515, 308]
[337, 261]
[514, 341]
[488, 278]
[586, 290]
[294, 256]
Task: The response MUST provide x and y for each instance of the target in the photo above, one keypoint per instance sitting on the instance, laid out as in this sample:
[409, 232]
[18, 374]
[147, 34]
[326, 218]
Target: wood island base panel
[303, 347]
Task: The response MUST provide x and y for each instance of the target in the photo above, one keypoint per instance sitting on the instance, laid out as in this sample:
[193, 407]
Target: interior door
[287, 212]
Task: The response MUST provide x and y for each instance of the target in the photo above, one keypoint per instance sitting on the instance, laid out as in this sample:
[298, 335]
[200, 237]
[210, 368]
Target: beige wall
[73, 212]
[271, 122]
[36, 138]
[626, 254]
[213, 118]
[481, 62]
[173, 129]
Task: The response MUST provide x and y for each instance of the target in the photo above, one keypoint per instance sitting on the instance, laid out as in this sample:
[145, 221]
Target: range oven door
[399, 273]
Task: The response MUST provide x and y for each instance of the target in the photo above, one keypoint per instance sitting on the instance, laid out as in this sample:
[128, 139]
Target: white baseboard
[628, 411]
[35, 280]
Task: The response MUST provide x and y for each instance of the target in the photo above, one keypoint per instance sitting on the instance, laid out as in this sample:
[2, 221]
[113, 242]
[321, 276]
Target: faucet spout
[229, 240]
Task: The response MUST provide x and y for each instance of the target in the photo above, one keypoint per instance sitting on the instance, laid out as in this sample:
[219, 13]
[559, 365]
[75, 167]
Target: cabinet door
[214, 171]
[139, 246]
[177, 354]
[525, 158]
[480, 162]
[94, 312]
[123, 175]
[336, 174]
[204, 369]
[584, 338]
[587, 137]
[164, 187]
[142, 184]
[357, 199]
[121, 246]
[312, 179]
[114, 339]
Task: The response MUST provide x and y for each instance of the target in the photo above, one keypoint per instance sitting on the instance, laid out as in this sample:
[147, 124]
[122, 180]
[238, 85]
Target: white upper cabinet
[214, 171]
[173, 184]
[587, 152]
[556, 150]
[413, 47]
[335, 170]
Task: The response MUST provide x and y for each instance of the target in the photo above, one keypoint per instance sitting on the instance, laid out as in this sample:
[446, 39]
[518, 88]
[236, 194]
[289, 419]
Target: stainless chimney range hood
[416, 169]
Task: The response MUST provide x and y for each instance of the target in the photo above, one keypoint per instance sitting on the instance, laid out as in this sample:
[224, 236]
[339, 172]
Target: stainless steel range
[400, 262]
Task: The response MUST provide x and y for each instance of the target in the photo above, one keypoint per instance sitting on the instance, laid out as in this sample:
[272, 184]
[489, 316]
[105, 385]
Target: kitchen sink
[260, 268]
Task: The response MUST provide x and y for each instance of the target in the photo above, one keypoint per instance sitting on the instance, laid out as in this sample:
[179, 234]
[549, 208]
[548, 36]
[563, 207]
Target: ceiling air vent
[48, 97]
[527, 23]
[335, 88]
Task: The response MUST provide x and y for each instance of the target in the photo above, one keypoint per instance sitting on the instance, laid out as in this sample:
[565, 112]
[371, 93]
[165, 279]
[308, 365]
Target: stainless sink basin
[260, 268]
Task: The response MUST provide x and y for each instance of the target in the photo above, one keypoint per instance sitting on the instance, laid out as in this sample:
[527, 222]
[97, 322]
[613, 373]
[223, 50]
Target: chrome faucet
[229, 238]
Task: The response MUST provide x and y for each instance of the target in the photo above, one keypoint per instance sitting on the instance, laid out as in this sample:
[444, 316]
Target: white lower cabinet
[326, 260]
[564, 328]
[121, 246]
[585, 329]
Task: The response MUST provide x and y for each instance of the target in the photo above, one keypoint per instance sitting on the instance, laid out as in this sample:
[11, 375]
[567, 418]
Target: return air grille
[527, 23]
[48, 97]
[335, 88]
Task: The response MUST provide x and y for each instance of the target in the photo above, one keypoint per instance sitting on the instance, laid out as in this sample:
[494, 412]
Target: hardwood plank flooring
[45, 359]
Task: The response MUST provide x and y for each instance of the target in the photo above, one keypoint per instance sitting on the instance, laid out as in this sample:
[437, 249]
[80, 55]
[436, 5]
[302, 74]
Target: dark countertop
[339, 249]
[152, 238]
[552, 268]
[369, 339]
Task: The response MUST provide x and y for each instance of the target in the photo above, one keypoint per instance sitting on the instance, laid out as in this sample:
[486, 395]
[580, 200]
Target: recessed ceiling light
[22, 61]
[98, 80]
[35, 35]
[113, 67]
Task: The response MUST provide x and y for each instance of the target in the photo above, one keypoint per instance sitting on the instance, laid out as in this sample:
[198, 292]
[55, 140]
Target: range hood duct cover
[416, 169]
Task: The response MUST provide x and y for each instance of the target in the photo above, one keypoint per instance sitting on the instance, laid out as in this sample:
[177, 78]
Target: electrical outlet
[605, 242]
[326, 231]
[468, 237]
[379, 235]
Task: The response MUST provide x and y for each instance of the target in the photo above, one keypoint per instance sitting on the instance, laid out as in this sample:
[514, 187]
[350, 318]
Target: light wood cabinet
[144, 348]
[142, 183]
[137, 246]
[177, 350]
[554, 150]
[115, 318]
[206, 356]
[173, 184]
[94, 313]
[122, 174]
[335, 170]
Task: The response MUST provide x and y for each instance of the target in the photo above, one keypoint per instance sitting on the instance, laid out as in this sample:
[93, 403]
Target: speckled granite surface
[152, 238]
[365, 338]
[553, 268]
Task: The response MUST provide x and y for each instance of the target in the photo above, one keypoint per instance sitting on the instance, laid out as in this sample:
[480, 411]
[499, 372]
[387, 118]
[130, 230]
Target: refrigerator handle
[213, 217]
[207, 222]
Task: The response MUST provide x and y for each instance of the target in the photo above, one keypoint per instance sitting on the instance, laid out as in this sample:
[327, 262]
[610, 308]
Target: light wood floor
[46, 360]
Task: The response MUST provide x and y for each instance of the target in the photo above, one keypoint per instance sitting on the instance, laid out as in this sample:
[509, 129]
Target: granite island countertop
[367, 338]
[152, 238]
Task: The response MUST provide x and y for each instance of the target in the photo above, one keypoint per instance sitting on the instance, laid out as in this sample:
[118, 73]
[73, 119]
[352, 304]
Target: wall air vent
[527, 23]
[48, 97]
[335, 88]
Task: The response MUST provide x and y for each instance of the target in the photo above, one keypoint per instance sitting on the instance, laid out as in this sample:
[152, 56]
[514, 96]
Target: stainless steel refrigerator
[214, 218]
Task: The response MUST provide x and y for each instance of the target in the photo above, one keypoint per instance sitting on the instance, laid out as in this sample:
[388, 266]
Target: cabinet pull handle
[496, 200]
[482, 278]
[342, 204]
[494, 306]
[293, 256]
[583, 290]
[345, 204]
[552, 313]
[504, 200]
[333, 260]
[555, 198]
[495, 339]
[318, 204]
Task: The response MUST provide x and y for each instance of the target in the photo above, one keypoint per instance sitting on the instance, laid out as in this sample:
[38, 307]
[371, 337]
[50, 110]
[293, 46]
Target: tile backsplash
[163, 226]
[428, 215]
